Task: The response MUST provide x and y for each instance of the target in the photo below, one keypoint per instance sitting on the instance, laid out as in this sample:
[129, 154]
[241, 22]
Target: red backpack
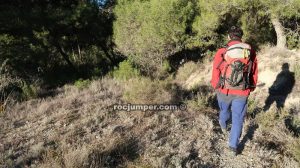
[236, 71]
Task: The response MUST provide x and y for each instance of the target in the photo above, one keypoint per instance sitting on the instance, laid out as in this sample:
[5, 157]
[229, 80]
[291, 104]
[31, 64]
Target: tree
[45, 38]
[207, 20]
[277, 10]
[150, 31]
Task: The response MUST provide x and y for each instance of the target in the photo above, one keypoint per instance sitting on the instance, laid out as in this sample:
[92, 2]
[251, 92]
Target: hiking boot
[232, 151]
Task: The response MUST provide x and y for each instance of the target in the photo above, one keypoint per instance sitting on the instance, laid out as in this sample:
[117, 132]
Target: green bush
[150, 31]
[293, 39]
[166, 66]
[200, 102]
[205, 98]
[125, 71]
[80, 84]
[29, 91]
[253, 107]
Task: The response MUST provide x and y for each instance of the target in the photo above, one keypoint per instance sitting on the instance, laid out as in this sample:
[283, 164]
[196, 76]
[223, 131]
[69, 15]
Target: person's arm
[215, 71]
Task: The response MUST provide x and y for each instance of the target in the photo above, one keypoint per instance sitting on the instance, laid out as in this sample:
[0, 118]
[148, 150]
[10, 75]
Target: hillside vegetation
[65, 64]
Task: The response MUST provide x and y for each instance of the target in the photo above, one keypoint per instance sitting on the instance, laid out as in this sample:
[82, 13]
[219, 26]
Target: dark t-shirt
[228, 98]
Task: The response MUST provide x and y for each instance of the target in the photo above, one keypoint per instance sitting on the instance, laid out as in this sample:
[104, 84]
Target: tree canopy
[57, 41]
[150, 31]
[52, 37]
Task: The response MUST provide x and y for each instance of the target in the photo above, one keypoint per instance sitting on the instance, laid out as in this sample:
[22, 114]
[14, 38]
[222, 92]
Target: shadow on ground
[281, 88]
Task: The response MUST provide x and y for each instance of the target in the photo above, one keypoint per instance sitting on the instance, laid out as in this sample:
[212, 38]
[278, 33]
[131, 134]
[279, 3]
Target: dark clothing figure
[282, 86]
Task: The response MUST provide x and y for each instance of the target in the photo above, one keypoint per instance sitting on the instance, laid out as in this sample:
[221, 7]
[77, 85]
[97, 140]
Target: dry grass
[294, 148]
[147, 91]
[276, 132]
[193, 75]
[8, 88]
[76, 128]
[72, 117]
[185, 71]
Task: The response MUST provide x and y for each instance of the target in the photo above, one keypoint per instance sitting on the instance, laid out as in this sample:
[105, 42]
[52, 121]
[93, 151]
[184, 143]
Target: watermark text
[149, 107]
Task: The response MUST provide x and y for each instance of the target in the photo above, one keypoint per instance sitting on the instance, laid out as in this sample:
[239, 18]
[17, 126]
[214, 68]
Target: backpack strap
[221, 77]
[235, 48]
[249, 73]
[222, 55]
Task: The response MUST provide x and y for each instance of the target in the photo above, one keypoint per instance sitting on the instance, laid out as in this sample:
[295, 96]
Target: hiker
[234, 76]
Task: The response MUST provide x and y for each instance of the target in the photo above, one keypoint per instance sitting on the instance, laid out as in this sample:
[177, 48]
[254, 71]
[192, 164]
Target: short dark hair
[235, 32]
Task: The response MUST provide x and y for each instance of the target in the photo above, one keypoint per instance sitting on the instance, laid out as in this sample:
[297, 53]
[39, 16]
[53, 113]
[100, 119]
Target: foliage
[40, 38]
[149, 31]
[253, 107]
[267, 120]
[9, 86]
[125, 71]
[281, 8]
[166, 66]
[257, 26]
[206, 22]
[147, 91]
[201, 101]
[292, 29]
[60, 42]
[80, 83]
[29, 91]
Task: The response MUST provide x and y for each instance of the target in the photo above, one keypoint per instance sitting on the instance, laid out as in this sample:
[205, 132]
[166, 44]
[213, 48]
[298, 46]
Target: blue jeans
[238, 108]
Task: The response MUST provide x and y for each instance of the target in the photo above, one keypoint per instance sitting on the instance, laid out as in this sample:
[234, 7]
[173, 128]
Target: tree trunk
[65, 56]
[79, 53]
[281, 37]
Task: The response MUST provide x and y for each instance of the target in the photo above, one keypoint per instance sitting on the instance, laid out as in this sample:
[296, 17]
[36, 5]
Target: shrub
[9, 86]
[147, 91]
[293, 34]
[253, 107]
[185, 71]
[150, 31]
[166, 66]
[80, 84]
[125, 71]
[267, 120]
[9, 90]
[200, 102]
[29, 91]
[162, 71]
[204, 98]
